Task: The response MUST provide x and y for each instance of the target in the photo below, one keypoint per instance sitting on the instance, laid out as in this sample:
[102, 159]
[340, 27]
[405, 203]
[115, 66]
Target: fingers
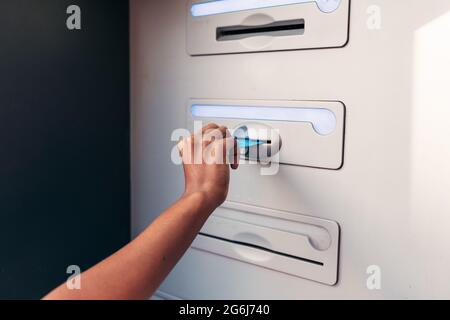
[235, 155]
[209, 127]
[232, 150]
[214, 133]
[205, 134]
[225, 132]
[212, 137]
[208, 134]
[217, 131]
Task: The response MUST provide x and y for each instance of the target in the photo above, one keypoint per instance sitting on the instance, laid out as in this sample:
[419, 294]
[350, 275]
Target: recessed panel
[299, 245]
[312, 132]
[236, 26]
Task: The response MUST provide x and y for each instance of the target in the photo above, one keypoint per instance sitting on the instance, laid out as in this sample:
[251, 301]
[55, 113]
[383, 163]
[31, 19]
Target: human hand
[206, 161]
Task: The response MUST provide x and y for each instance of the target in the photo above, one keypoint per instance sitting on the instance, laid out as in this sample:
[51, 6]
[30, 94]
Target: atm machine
[358, 205]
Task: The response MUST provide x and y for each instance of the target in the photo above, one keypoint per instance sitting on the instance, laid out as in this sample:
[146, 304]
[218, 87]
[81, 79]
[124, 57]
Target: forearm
[138, 269]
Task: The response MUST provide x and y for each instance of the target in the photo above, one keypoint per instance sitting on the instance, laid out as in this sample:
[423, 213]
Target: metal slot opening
[275, 29]
[263, 249]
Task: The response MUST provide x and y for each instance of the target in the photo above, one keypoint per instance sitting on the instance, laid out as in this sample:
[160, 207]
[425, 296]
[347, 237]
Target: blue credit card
[248, 143]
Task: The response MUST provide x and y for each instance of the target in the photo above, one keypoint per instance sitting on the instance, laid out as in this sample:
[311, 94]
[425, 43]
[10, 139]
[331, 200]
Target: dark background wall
[64, 140]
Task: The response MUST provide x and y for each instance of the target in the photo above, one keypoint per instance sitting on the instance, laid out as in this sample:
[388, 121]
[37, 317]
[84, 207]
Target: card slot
[275, 29]
[294, 244]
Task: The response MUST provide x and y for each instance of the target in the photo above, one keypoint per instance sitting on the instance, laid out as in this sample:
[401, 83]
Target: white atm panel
[235, 26]
[390, 197]
[299, 245]
[312, 132]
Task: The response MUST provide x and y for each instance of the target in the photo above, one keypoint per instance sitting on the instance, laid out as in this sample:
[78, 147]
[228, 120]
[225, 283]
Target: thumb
[233, 152]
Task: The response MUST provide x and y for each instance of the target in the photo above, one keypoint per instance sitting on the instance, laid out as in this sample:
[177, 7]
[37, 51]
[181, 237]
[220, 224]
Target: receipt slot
[291, 243]
[257, 142]
[236, 26]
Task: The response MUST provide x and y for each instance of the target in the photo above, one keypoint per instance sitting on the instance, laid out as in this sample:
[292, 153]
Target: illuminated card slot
[323, 121]
[229, 6]
[248, 143]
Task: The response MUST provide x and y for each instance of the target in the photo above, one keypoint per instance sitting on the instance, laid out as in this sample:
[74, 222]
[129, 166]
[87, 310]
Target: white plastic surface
[391, 196]
[295, 244]
[207, 8]
[326, 25]
[312, 132]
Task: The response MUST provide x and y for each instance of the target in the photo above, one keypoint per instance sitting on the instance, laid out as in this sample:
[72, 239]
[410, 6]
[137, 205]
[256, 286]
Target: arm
[137, 270]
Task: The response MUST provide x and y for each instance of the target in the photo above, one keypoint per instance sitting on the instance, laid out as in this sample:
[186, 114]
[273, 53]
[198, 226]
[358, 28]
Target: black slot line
[249, 30]
[262, 248]
[292, 27]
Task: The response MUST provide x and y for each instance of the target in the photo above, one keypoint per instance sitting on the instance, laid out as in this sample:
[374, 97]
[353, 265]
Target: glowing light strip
[323, 120]
[227, 6]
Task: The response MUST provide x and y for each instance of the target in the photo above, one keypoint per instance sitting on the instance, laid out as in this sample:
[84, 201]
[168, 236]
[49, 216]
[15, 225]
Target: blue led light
[323, 121]
[227, 6]
[248, 143]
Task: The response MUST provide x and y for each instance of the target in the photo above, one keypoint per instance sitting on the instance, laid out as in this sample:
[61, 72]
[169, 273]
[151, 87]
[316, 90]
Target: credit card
[248, 143]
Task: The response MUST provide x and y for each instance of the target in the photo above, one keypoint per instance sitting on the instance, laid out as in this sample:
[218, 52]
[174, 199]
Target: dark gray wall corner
[64, 140]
